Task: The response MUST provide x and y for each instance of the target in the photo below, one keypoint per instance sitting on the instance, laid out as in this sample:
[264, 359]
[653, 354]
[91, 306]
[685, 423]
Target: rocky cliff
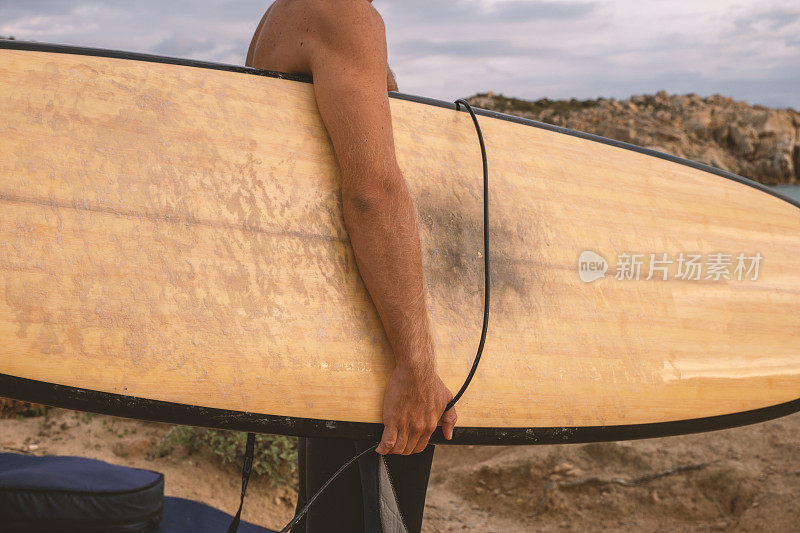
[757, 142]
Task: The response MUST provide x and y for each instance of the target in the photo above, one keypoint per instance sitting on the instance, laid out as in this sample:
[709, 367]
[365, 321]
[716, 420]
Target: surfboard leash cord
[485, 324]
[250, 447]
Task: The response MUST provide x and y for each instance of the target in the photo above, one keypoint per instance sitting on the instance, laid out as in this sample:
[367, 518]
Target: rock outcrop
[757, 142]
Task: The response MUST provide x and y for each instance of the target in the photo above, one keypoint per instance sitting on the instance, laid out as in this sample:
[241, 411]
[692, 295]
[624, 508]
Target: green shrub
[275, 455]
[15, 409]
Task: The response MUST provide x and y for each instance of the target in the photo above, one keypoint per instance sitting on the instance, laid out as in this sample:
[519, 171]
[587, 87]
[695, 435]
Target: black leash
[302, 512]
[247, 467]
[485, 325]
[248, 456]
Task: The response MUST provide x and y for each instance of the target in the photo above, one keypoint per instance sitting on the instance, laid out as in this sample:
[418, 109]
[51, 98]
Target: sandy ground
[743, 479]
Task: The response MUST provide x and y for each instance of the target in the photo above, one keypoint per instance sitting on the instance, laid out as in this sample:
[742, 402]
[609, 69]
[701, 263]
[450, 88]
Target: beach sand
[742, 479]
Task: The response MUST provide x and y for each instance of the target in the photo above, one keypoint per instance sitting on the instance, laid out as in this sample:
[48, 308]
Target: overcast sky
[447, 49]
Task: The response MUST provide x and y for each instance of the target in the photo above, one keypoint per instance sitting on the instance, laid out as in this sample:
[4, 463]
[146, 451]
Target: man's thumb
[388, 439]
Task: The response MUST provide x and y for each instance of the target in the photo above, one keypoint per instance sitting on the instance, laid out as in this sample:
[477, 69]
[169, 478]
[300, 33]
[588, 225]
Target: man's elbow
[361, 201]
[372, 198]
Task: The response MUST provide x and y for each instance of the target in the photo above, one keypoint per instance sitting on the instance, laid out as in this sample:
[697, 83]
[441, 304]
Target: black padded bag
[74, 494]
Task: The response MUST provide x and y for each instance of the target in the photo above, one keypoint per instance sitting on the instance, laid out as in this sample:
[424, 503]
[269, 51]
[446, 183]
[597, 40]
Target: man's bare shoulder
[338, 10]
[296, 35]
[341, 21]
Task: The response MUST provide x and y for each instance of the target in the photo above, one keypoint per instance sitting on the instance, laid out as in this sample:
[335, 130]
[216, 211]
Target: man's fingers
[422, 443]
[427, 431]
[388, 440]
[401, 442]
[413, 440]
[449, 419]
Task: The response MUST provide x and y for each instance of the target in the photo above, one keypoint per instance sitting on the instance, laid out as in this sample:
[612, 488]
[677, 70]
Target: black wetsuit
[383, 494]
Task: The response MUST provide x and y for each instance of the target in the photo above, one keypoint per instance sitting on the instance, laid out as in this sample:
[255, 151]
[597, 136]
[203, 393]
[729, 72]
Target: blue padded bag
[74, 494]
[187, 516]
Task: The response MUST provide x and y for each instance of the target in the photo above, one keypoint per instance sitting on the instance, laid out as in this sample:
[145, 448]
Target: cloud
[521, 11]
[216, 31]
[772, 20]
[427, 12]
[467, 49]
[12, 9]
[455, 48]
[183, 46]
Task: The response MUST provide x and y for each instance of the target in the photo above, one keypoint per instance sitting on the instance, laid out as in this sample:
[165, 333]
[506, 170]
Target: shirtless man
[342, 45]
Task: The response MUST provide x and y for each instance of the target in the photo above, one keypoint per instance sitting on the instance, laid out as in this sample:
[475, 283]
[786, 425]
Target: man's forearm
[383, 230]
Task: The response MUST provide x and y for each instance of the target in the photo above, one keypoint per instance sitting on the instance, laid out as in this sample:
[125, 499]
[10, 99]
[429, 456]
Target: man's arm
[348, 63]
[252, 48]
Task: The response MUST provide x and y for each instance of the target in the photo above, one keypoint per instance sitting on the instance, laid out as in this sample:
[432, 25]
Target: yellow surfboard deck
[172, 248]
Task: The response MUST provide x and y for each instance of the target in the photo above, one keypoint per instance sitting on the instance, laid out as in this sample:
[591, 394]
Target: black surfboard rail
[192, 415]
[175, 413]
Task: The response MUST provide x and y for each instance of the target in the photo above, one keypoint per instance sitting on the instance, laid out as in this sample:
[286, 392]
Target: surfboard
[172, 248]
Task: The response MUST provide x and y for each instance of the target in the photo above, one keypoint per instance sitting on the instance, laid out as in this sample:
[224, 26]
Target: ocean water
[793, 191]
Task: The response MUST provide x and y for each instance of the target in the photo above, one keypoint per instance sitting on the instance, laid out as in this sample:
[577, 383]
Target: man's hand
[412, 408]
